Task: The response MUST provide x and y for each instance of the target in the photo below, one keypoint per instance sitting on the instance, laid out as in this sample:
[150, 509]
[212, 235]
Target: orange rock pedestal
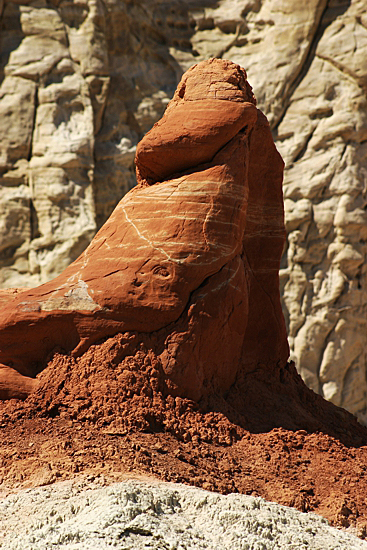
[188, 262]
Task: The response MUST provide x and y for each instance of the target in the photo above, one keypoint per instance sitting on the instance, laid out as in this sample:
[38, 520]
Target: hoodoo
[188, 261]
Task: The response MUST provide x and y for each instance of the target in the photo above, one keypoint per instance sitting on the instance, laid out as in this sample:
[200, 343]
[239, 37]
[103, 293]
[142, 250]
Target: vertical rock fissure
[305, 65]
[30, 152]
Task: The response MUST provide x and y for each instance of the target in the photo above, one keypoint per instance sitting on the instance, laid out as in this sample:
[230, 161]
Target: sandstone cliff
[82, 82]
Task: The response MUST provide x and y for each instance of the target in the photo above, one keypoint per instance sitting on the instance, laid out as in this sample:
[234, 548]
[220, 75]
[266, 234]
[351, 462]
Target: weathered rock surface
[136, 514]
[324, 277]
[190, 255]
[83, 83]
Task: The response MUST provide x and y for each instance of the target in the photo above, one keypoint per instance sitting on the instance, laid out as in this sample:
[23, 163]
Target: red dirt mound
[110, 412]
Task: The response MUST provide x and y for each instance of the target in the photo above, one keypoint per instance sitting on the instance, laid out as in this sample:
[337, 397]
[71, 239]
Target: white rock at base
[139, 515]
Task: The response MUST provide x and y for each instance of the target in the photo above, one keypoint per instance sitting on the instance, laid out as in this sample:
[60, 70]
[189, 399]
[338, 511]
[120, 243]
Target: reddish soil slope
[104, 415]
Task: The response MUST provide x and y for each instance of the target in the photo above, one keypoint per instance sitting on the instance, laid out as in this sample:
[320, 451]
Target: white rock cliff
[81, 82]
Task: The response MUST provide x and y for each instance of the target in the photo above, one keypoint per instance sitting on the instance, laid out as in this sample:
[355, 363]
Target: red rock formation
[189, 259]
[181, 283]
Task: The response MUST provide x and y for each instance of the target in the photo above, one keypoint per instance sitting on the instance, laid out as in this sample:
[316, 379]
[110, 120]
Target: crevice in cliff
[33, 218]
[344, 70]
[320, 27]
[30, 151]
[361, 22]
[12, 27]
[322, 352]
[34, 233]
[303, 149]
[233, 42]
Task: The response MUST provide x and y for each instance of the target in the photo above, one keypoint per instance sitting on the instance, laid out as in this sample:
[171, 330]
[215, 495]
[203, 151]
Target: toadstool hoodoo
[189, 258]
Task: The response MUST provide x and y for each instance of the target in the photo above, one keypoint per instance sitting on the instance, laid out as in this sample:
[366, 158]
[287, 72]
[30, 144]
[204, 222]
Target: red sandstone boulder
[188, 260]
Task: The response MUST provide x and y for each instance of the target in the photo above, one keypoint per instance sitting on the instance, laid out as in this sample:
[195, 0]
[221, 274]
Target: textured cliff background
[81, 82]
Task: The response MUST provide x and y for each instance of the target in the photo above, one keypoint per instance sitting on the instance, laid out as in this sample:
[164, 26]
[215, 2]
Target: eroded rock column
[189, 258]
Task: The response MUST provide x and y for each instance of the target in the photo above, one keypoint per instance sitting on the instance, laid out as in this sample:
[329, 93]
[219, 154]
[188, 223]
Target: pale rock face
[153, 514]
[324, 273]
[82, 82]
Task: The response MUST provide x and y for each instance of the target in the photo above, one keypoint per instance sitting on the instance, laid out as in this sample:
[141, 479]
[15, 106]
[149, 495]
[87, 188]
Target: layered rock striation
[189, 258]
